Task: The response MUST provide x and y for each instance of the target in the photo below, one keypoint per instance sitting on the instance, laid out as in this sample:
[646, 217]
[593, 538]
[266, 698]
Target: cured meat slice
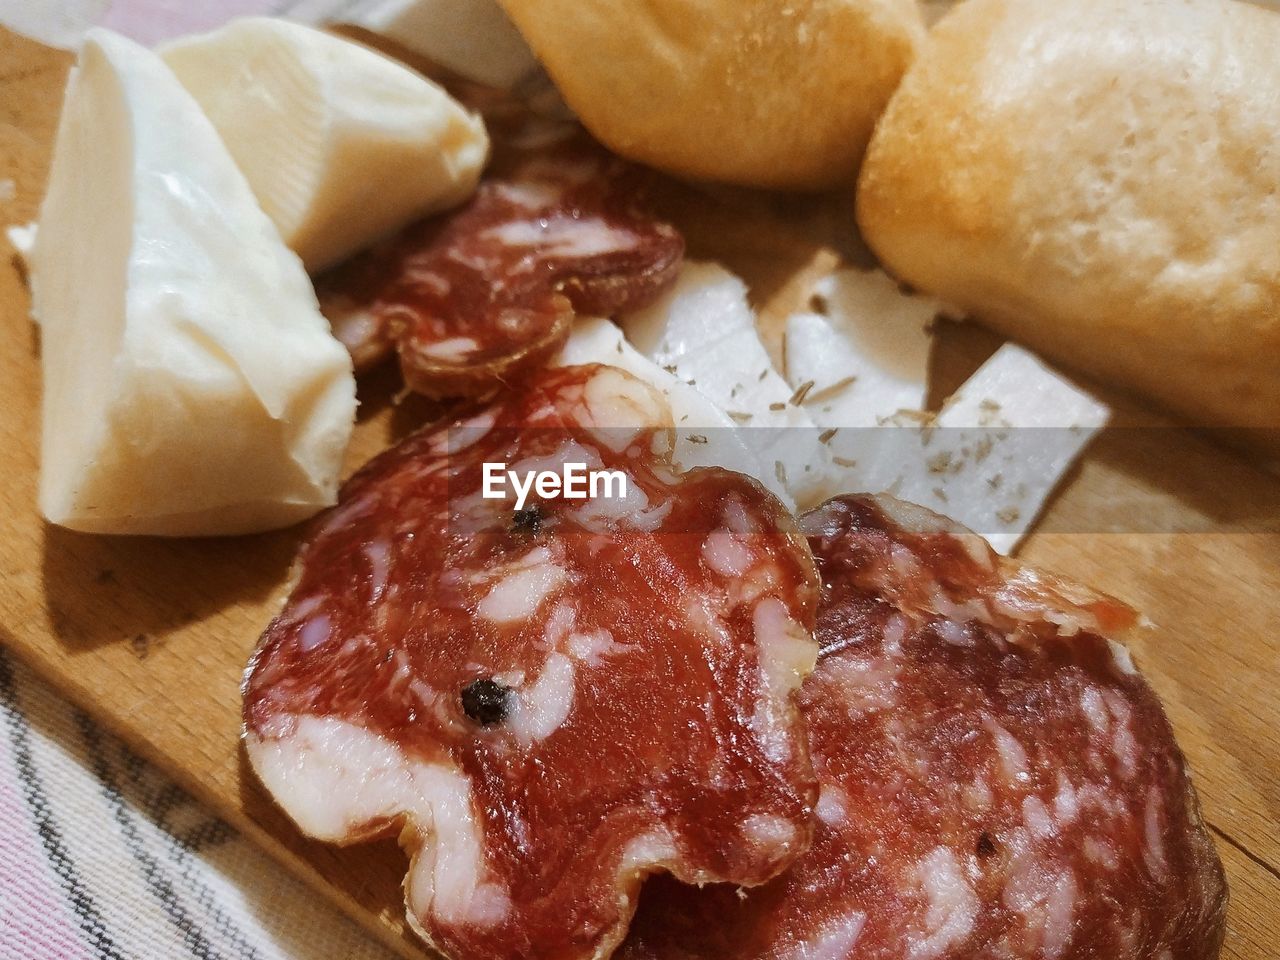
[486, 294]
[348, 294]
[492, 292]
[997, 781]
[552, 702]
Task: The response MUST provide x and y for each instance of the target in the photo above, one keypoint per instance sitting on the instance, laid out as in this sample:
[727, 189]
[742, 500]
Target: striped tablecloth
[102, 856]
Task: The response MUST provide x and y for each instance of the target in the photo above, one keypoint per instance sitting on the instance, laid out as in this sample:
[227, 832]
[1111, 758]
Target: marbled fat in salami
[483, 295]
[996, 779]
[553, 702]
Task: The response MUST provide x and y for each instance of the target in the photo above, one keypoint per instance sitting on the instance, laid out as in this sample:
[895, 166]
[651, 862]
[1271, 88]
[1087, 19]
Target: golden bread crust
[771, 93]
[1100, 180]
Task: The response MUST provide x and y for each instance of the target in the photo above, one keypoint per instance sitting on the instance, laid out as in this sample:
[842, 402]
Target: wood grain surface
[150, 636]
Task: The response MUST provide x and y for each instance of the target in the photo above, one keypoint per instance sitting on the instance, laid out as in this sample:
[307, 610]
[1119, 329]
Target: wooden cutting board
[150, 636]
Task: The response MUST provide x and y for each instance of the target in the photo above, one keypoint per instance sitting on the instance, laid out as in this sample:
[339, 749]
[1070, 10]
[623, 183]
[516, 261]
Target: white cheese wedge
[705, 435]
[191, 385]
[866, 356]
[703, 331]
[340, 144]
[473, 38]
[990, 459]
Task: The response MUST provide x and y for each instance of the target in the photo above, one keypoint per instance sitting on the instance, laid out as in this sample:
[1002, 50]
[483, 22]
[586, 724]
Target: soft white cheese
[191, 385]
[703, 331]
[990, 459]
[339, 143]
[473, 38]
[865, 356]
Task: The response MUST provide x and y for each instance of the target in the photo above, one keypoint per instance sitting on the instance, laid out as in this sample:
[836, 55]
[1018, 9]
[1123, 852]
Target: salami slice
[348, 295]
[996, 779]
[486, 294]
[547, 703]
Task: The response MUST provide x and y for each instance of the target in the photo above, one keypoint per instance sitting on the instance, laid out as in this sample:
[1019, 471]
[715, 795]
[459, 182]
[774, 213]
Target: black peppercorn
[528, 520]
[986, 846]
[485, 701]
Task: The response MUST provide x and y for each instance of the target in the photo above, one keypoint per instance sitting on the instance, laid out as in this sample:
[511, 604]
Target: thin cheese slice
[990, 459]
[704, 332]
[705, 436]
[866, 356]
[191, 385]
[340, 144]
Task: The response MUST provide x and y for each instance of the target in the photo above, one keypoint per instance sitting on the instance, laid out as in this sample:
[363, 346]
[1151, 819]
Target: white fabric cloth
[101, 856]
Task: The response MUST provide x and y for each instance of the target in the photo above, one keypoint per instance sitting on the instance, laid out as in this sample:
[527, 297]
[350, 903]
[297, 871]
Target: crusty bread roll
[1101, 180]
[771, 93]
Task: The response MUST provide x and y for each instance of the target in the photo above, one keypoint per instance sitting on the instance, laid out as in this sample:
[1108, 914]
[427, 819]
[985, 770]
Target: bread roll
[771, 93]
[1100, 180]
